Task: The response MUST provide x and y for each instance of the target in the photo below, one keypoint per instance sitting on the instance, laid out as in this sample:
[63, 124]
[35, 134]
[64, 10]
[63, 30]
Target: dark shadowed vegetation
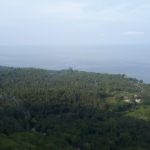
[72, 110]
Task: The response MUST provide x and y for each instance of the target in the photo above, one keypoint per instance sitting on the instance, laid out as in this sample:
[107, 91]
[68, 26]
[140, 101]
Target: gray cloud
[77, 22]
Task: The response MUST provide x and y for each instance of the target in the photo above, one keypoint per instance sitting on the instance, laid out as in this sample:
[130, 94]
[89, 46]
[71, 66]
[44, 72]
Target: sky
[74, 22]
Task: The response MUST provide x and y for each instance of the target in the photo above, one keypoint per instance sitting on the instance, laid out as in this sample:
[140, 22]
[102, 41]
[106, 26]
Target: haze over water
[132, 60]
[122, 23]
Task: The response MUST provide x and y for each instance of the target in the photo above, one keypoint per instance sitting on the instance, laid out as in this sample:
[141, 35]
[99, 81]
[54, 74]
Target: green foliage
[72, 110]
[142, 113]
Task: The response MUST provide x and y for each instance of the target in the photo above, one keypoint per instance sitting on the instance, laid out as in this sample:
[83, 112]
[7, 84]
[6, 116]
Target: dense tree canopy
[72, 110]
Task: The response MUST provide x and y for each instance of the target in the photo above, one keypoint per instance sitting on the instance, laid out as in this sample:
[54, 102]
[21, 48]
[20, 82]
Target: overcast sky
[74, 22]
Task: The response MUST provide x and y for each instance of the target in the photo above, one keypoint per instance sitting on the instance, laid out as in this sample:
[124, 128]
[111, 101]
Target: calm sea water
[132, 60]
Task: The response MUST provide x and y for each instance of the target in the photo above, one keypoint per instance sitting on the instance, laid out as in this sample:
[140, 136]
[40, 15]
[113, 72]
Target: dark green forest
[72, 110]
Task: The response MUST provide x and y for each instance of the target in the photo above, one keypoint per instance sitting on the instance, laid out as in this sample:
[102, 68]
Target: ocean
[132, 60]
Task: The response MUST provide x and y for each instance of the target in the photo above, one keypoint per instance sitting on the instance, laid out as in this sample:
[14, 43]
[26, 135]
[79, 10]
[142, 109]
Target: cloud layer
[74, 22]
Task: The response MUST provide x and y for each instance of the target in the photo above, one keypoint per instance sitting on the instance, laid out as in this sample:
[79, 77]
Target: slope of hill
[70, 110]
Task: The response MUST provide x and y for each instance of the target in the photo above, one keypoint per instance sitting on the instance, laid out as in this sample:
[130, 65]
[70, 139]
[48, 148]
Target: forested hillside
[72, 110]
